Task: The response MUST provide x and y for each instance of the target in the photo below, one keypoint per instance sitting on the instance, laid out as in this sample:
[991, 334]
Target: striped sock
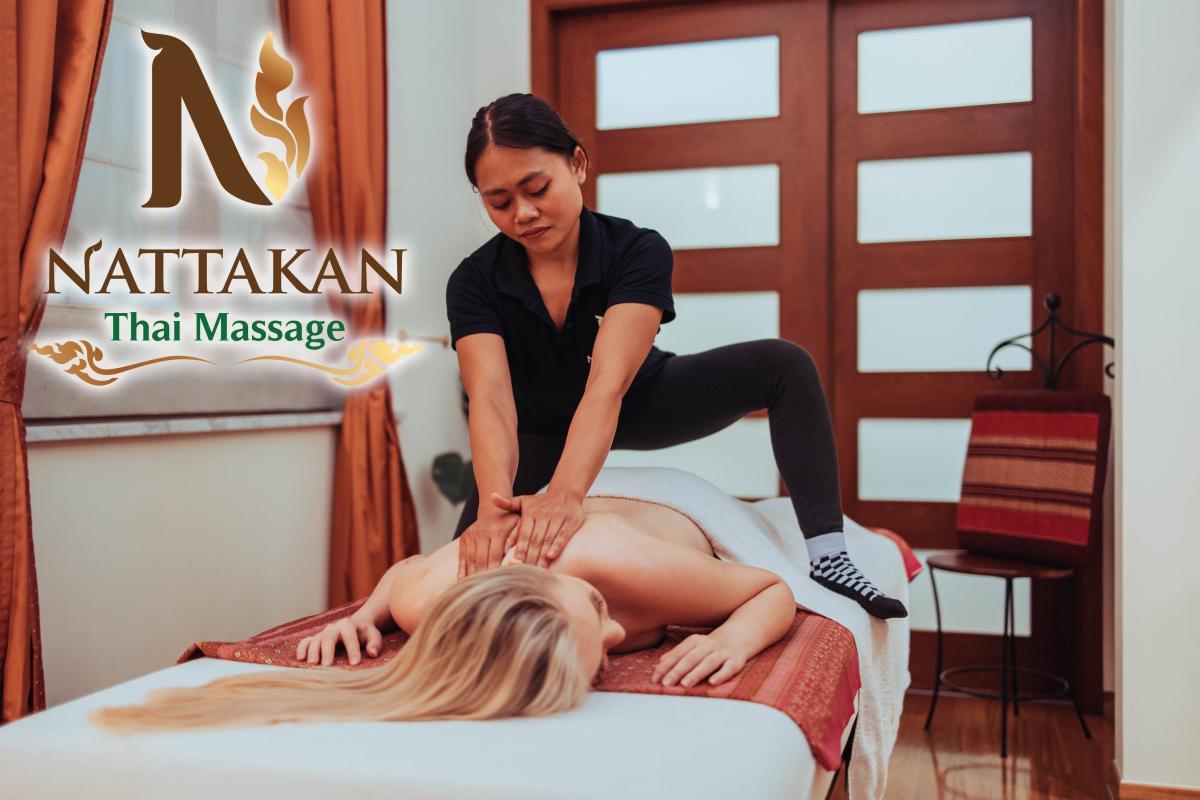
[836, 572]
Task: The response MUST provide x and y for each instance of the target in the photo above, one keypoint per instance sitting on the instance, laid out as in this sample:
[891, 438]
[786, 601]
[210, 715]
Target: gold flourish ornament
[84, 359]
[289, 128]
[369, 358]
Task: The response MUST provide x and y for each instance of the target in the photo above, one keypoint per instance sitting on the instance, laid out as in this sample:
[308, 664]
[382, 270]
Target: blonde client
[518, 640]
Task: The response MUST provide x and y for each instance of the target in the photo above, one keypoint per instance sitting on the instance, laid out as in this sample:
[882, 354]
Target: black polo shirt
[492, 291]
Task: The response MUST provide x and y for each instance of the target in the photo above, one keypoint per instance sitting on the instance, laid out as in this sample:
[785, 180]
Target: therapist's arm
[549, 520]
[492, 424]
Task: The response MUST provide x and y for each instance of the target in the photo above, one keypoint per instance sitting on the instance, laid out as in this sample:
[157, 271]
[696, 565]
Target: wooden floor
[1048, 756]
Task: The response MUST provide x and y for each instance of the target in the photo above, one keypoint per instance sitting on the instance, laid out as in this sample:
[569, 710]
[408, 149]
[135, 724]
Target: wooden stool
[963, 562]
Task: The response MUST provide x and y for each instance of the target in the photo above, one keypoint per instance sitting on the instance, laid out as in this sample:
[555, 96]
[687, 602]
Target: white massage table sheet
[615, 745]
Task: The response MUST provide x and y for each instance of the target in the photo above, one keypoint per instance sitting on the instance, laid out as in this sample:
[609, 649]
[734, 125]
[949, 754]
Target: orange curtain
[341, 60]
[50, 54]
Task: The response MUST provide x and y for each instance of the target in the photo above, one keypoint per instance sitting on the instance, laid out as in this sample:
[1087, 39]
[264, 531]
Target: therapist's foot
[836, 572]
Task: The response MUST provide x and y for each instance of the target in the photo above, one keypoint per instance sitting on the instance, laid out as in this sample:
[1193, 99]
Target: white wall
[1156, 166]
[146, 545]
[445, 60]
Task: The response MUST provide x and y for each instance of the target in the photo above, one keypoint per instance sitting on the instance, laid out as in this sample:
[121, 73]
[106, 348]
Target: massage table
[616, 744]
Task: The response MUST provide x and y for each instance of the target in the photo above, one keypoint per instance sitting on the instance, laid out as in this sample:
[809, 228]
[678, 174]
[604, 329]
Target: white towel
[765, 534]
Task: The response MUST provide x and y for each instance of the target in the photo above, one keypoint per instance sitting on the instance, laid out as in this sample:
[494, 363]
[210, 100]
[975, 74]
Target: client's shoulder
[604, 543]
[416, 581]
[610, 547]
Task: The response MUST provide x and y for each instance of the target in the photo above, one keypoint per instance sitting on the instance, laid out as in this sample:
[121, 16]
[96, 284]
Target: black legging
[693, 396]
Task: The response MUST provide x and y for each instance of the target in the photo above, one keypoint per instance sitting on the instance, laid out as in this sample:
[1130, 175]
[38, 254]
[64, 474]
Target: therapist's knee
[787, 357]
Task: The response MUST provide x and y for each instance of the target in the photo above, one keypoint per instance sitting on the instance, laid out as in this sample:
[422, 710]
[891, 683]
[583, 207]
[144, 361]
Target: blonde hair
[496, 644]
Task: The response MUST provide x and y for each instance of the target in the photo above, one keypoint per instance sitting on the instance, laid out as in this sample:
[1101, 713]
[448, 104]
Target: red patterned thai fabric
[1034, 475]
[811, 674]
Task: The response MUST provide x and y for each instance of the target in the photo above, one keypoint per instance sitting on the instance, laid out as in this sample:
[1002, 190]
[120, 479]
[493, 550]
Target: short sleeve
[643, 275]
[470, 305]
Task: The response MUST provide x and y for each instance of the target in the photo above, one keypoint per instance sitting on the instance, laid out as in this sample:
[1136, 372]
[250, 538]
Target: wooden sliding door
[895, 185]
[957, 206]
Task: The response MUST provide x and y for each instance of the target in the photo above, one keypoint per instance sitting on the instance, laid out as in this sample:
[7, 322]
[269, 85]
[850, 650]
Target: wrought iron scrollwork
[1051, 368]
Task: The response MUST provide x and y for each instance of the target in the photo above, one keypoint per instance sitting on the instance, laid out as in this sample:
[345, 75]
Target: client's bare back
[653, 565]
[661, 522]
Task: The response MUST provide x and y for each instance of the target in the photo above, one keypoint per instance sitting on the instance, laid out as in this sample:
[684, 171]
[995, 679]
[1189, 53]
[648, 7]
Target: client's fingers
[683, 666]
[672, 657]
[374, 641]
[350, 638]
[328, 645]
[301, 646]
[727, 671]
[314, 650]
[705, 668]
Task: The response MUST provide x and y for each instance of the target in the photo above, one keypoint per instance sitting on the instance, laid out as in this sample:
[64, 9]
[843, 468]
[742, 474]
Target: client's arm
[653, 582]
[751, 628]
[375, 610]
[365, 626]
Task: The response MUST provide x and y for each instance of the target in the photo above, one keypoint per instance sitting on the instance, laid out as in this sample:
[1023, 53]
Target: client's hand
[697, 657]
[350, 630]
[548, 521]
[482, 545]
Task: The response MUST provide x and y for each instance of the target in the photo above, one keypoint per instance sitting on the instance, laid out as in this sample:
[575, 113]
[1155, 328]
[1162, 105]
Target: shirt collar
[512, 271]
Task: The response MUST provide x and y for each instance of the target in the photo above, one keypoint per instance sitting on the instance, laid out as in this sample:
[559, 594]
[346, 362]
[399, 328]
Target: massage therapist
[554, 320]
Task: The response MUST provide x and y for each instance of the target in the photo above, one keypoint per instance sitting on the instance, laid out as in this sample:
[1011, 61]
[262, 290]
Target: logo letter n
[176, 81]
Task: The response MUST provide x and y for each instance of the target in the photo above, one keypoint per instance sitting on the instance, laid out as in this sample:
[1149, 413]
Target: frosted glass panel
[672, 84]
[945, 197]
[970, 603]
[941, 66]
[942, 330]
[707, 320]
[708, 207]
[912, 459]
[738, 459]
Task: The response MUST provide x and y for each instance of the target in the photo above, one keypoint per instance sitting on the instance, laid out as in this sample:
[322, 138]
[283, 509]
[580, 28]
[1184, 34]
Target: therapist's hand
[548, 521]
[483, 543]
